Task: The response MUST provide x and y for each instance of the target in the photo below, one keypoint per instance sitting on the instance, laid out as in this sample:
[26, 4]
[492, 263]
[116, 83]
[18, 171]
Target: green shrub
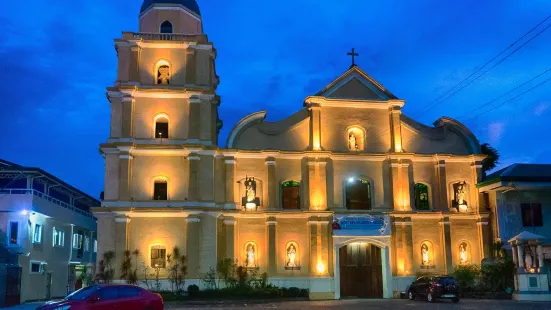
[193, 290]
[467, 276]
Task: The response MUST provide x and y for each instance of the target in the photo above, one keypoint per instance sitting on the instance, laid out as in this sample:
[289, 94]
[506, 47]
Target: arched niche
[161, 127]
[163, 72]
[426, 250]
[464, 253]
[355, 138]
[292, 257]
[160, 188]
[250, 255]
[460, 194]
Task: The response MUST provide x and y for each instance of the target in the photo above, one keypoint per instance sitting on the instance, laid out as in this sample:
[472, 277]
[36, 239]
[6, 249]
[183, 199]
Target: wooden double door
[361, 271]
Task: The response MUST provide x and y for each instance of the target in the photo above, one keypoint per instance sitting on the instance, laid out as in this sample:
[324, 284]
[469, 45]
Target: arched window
[358, 194]
[290, 195]
[166, 27]
[158, 256]
[160, 190]
[422, 197]
[161, 126]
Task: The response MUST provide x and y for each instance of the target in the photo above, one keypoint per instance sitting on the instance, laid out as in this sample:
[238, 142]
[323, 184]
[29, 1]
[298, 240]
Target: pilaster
[125, 176]
[486, 236]
[194, 162]
[447, 244]
[271, 225]
[127, 117]
[230, 165]
[207, 242]
[442, 186]
[134, 74]
[193, 234]
[272, 183]
[206, 121]
[229, 224]
[313, 227]
[396, 125]
[121, 243]
[317, 184]
[191, 66]
[477, 175]
[194, 118]
[400, 185]
[315, 127]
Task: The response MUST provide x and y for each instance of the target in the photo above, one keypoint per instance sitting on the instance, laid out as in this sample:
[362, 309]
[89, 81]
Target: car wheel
[455, 300]
[430, 298]
[411, 296]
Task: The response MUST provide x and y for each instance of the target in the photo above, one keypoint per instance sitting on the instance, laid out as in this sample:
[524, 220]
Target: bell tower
[165, 92]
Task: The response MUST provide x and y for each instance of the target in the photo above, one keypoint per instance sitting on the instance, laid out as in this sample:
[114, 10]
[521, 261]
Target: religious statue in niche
[425, 254]
[250, 201]
[528, 257]
[352, 143]
[463, 255]
[163, 75]
[291, 256]
[460, 193]
[250, 254]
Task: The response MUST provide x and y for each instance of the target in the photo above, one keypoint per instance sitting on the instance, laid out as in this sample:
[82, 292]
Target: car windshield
[83, 293]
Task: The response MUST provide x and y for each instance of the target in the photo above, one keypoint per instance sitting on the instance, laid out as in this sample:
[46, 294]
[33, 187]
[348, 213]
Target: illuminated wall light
[350, 180]
[320, 267]
[24, 212]
[317, 146]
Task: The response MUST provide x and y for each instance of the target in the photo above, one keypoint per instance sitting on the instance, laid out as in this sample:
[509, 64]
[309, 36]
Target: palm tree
[492, 160]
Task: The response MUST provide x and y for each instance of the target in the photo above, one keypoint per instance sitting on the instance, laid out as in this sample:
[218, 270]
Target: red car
[107, 297]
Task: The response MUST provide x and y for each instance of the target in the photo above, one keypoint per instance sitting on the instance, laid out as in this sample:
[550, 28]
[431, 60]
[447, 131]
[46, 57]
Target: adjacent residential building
[48, 229]
[345, 197]
[519, 198]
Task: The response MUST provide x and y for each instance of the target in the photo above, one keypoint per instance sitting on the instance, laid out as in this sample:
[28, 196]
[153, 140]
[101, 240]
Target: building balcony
[164, 37]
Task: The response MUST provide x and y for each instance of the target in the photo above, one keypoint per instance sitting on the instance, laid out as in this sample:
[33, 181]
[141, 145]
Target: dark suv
[434, 287]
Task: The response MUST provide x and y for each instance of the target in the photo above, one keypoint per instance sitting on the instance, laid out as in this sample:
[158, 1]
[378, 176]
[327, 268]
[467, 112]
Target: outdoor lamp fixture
[351, 180]
[320, 267]
[24, 212]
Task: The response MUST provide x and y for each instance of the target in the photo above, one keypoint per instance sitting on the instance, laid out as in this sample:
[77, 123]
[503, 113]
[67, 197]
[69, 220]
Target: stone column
[520, 254]
[397, 193]
[406, 185]
[396, 123]
[539, 251]
[476, 171]
[134, 74]
[207, 250]
[272, 251]
[205, 121]
[313, 226]
[116, 117]
[194, 161]
[324, 236]
[191, 66]
[408, 242]
[230, 183]
[447, 244]
[125, 176]
[515, 253]
[229, 223]
[272, 183]
[486, 237]
[193, 246]
[442, 186]
[121, 243]
[127, 117]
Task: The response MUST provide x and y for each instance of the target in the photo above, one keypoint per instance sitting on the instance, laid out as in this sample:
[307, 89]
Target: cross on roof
[353, 54]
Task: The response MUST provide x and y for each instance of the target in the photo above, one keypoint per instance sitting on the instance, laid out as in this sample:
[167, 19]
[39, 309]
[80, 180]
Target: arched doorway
[361, 271]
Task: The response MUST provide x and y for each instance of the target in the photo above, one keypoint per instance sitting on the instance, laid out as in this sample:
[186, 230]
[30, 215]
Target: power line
[503, 95]
[495, 65]
[483, 66]
[505, 102]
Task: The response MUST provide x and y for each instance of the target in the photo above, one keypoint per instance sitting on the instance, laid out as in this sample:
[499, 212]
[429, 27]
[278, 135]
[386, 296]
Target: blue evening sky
[57, 57]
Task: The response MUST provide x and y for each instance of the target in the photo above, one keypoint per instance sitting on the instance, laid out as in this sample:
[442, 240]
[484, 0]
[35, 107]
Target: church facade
[346, 197]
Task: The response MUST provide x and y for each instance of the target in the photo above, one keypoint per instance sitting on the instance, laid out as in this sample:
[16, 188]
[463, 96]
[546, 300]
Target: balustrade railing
[46, 197]
[164, 36]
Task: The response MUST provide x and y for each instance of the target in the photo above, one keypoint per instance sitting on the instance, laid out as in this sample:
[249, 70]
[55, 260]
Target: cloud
[495, 132]
[541, 108]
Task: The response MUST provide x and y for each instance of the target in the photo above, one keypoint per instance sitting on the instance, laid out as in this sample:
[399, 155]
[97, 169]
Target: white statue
[528, 261]
[352, 142]
[163, 76]
[425, 254]
[291, 255]
[250, 255]
[463, 253]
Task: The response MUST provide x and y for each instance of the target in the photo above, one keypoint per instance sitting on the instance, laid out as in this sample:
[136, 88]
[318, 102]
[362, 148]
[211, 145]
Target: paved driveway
[391, 304]
[352, 304]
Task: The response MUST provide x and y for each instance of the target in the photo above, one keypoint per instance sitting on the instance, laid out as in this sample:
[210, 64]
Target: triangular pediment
[355, 84]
